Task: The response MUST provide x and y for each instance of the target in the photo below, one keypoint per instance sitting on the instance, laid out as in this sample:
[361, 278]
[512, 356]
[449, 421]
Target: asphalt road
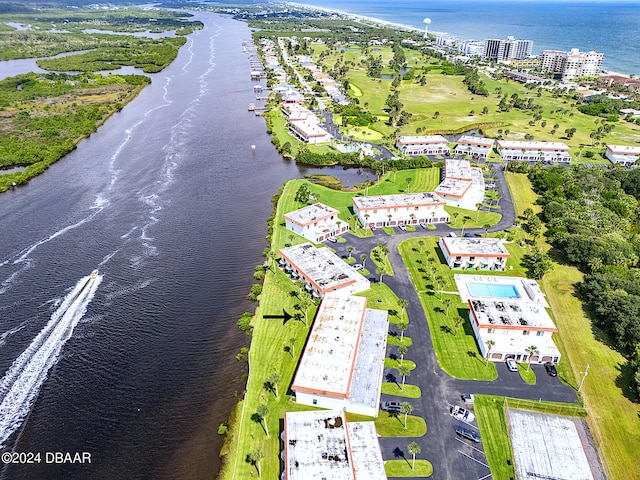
[451, 456]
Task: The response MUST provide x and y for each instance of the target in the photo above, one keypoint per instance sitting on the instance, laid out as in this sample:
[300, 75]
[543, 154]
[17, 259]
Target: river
[170, 202]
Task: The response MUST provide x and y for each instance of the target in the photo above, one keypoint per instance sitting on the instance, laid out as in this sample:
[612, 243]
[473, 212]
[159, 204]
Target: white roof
[453, 187]
[519, 145]
[478, 141]
[320, 445]
[311, 213]
[397, 200]
[323, 268]
[421, 140]
[457, 169]
[624, 149]
[327, 363]
[491, 247]
[309, 129]
[513, 314]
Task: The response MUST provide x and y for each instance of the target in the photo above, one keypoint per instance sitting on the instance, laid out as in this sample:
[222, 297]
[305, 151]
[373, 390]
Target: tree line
[592, 218]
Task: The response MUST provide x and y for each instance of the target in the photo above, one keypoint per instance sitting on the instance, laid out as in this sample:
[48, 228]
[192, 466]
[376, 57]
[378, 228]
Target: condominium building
[316, 222]
[322, 445]
[475, 147]
[570, 65]
[321, 269]
[501, 50]
[343, 360]
[474, 253]
[400, 209]
[553, 152]
[462, 185]
[625, 155]
[510, 312]
[309, 132]
[423, 145]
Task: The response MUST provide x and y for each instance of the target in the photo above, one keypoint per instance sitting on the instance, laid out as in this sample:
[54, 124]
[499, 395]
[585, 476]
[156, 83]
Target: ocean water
[612, 28]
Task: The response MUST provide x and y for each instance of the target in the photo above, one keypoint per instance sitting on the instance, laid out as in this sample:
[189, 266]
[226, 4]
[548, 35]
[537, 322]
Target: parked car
[402, 227]
[423, 225]
[512, 365]
[467, 398]
[466, 433]
[453, 235]
[357, 266]
[462, 414]
[468, 235]
[551, 369]
[332, 239]
[390, 406]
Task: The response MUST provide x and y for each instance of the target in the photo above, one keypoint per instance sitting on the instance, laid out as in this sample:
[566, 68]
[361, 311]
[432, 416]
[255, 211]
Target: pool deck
[527, 289]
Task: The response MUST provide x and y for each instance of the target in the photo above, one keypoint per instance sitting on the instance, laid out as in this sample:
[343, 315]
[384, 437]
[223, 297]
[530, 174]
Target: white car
[512, 365]
[462, 414]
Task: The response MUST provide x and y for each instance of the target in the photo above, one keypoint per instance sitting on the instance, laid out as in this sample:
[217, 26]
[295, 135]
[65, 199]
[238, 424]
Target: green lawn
[381, 297]
[613, 418]
[391, 363]
[444, 104]
[408, 391]
[403, 468]
[392, 425]
[490, 415]
[527, 374]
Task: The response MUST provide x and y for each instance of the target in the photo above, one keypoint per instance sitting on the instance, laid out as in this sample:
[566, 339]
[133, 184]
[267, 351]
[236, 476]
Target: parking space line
[471, 446]
[474, 459]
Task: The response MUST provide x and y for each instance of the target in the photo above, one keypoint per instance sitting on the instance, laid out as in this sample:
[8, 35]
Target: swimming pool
[493, 290]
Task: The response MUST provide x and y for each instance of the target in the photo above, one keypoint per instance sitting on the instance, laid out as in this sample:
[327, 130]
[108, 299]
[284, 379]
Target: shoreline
[405, 27]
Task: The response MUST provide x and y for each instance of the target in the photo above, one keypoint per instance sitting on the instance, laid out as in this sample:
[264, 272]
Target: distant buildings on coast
[560, 64]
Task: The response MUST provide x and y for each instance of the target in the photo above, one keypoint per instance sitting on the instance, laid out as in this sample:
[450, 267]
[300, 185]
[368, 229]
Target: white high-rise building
[570, 65]
[506, 50]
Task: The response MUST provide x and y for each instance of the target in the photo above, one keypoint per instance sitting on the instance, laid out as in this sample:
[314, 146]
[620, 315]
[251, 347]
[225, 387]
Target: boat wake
[21, 384]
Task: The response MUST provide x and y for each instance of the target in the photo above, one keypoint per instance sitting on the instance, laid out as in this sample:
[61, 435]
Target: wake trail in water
[22, 382]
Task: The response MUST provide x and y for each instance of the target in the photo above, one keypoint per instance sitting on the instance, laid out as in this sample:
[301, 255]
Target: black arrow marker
[285, 316]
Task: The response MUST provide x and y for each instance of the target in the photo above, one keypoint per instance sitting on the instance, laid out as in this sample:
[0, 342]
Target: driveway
[451, 456]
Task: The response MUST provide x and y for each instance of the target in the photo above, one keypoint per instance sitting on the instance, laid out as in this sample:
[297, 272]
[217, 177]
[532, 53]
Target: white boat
[95, 273]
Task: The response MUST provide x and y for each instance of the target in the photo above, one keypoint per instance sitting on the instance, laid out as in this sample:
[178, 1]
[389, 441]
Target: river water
[170, 202]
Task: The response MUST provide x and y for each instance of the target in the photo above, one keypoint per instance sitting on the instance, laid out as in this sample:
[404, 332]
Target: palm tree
[350, 249]
[384, 250]
[489, 344]
[486, 227]
[407, 409]
[457, 322]
[300, 283]
[305, 303]
[414, 449]
[366, 219]
[465, 219]
[405, 371]
[431, 261]
[440, 283]
[274, 378]
[255, 456]
[402, 303]
[447, 303]
[531, 350]
[402, 325]
[380, 271]
[402, 349]
[262, 412]
[390, 217]
[363, 259]
[421, 243]
[292, 345]
[478, 206]
[455, 217]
